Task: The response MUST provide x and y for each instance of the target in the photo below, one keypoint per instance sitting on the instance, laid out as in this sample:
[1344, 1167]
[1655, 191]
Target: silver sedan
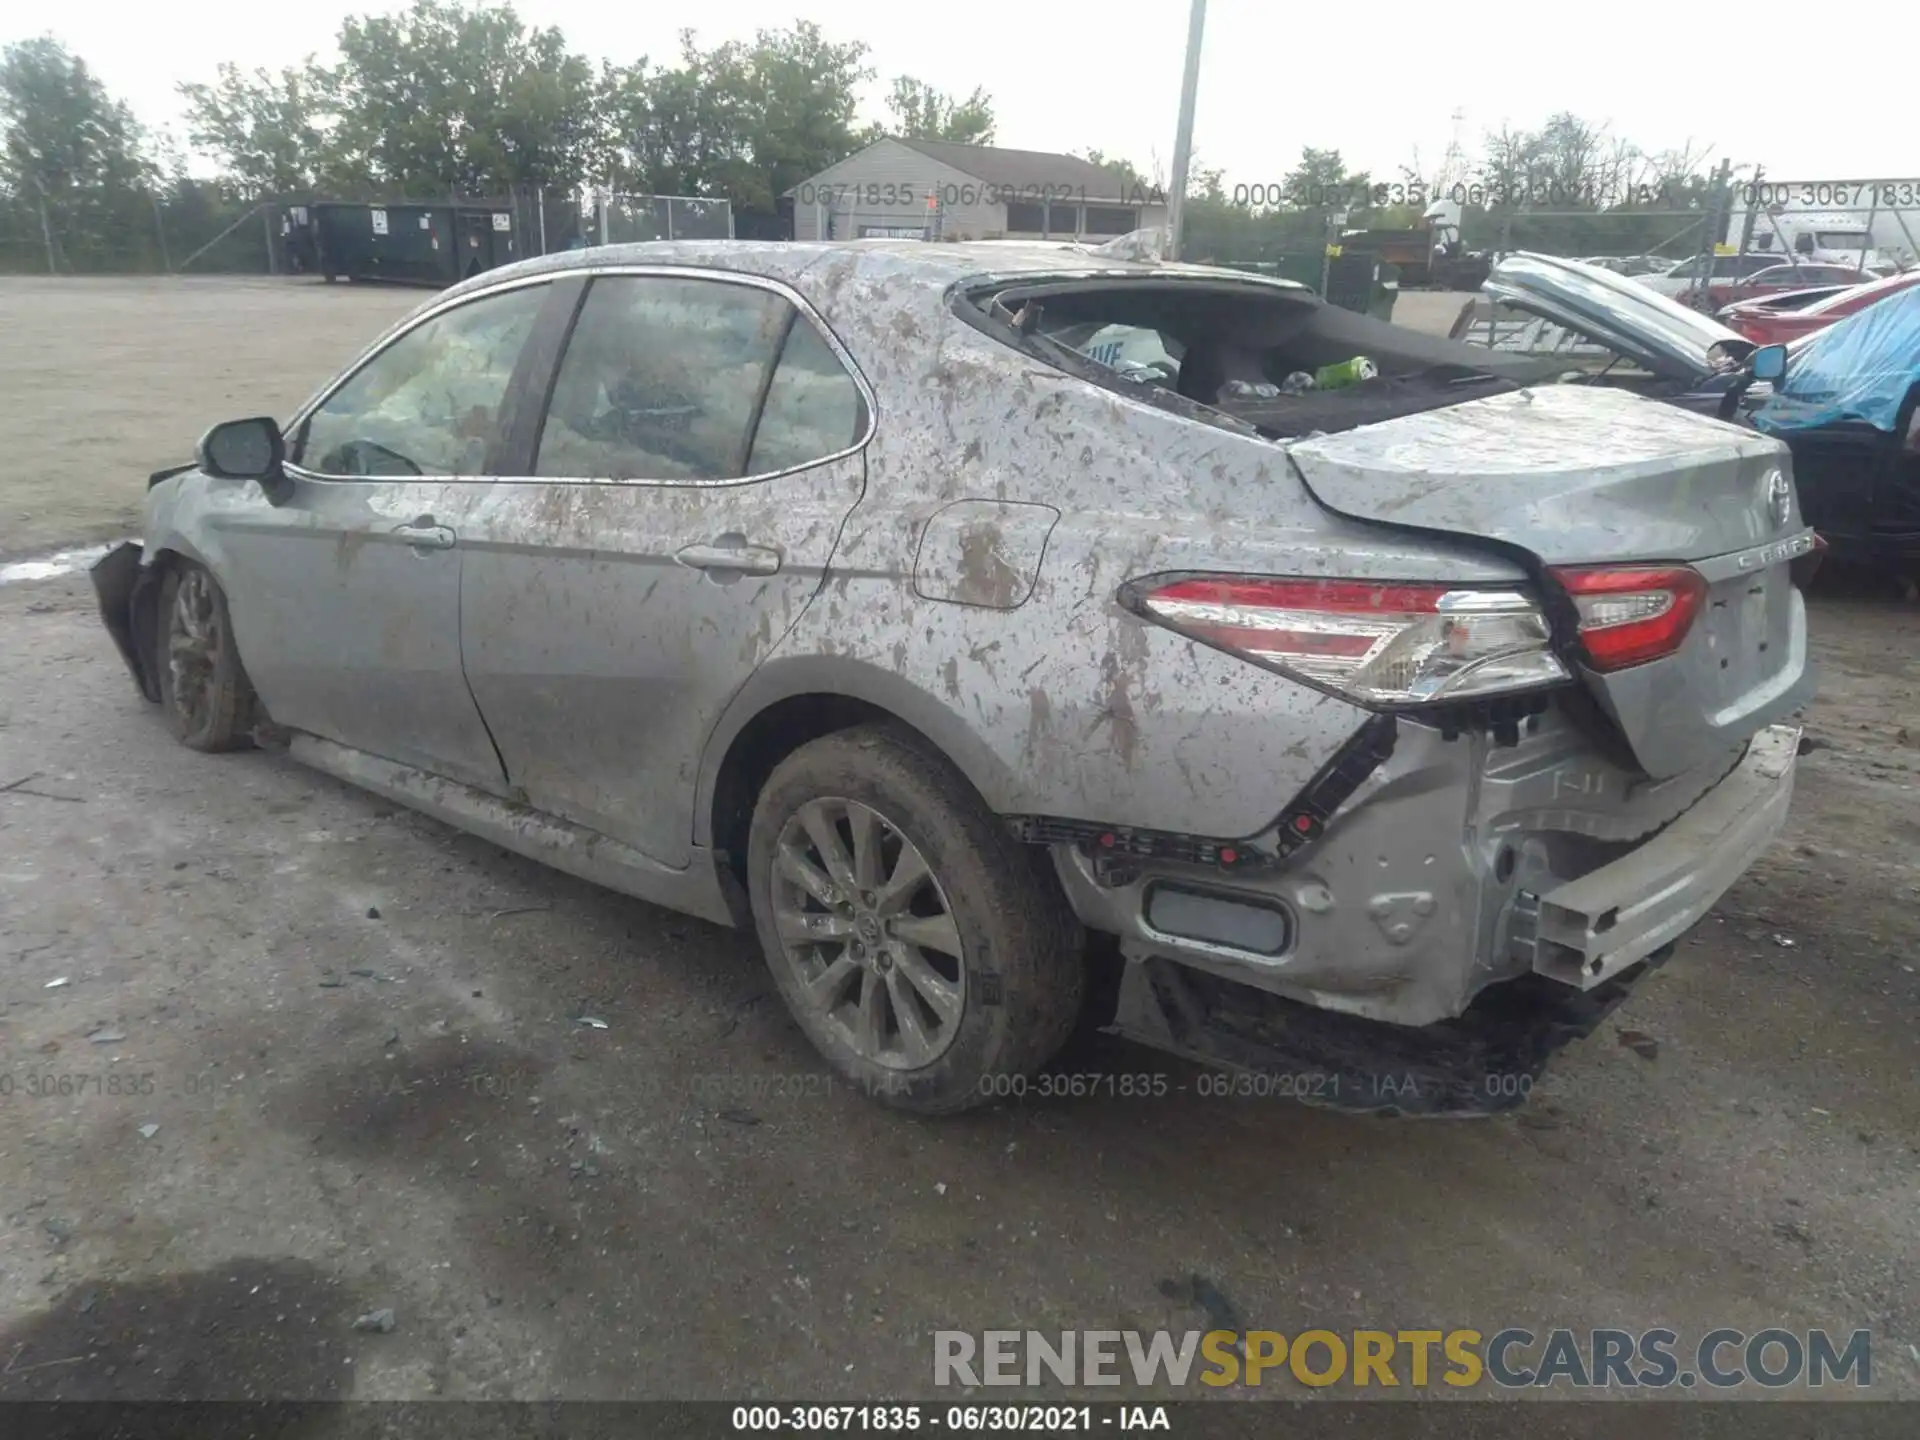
[1014, 638]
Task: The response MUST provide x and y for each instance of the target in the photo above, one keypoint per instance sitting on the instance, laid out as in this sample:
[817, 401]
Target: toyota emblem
[1779, 498]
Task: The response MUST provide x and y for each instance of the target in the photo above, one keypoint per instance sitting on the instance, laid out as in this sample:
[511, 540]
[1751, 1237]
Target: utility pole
[1698, 297]
[1754, 192]
[1183, 136]
[46, 230]
[160, 229]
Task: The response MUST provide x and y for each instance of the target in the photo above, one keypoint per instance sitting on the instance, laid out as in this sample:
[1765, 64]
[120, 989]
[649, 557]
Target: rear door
[672, 512]
[346, 599]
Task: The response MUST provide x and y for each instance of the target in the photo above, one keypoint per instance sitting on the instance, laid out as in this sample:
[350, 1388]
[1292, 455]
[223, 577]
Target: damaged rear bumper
[1476, 911]
[1590, 929]
[1458, 867]
[126, 591]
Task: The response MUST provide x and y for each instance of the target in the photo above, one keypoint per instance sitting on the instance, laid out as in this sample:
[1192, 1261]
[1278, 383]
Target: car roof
[935, 263]
[1850, 299]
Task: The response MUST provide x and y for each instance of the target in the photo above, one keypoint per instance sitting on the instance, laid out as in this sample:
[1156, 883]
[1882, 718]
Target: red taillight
[1388, 643]
[1632, 614]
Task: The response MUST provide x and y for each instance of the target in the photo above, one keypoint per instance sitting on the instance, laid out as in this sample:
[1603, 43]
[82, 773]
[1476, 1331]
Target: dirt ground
[323, 1057]
[107, 380]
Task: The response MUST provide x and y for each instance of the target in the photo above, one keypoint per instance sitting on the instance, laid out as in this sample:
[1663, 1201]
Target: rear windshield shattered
[1272, 357]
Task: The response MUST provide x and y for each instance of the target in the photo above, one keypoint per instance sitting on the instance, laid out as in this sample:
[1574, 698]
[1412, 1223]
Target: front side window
[428, 404]
[661, 380]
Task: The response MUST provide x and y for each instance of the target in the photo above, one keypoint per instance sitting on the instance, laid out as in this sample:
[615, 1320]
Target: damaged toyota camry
[1381, 732]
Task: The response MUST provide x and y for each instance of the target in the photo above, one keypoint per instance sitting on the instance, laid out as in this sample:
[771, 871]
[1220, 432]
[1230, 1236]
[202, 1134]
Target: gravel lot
[107, 380]
[357, 1037]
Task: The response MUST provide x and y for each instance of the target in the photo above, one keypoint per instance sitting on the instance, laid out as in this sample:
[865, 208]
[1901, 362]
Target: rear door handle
[425, 533]
[739, 559]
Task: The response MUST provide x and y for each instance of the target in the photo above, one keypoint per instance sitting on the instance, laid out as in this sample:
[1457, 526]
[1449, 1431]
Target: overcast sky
[1373, 80]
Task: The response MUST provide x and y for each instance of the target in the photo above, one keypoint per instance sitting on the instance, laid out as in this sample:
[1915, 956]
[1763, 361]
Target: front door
[346, 599]
[681, 498]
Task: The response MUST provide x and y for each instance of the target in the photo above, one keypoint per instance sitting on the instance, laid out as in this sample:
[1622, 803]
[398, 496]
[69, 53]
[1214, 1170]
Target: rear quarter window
[813, 409]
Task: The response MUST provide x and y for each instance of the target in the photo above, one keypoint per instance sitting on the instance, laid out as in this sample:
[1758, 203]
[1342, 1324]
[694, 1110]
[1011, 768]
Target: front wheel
[919, 944]
[203, 686]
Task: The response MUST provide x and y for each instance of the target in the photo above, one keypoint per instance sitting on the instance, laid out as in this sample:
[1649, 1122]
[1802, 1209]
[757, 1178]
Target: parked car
[1741, 277]
[1848, 408]
[1688, 276]
[1607, 330]
[1787, 279]
[1779, 301]
[1391, 731]
[1776, 321]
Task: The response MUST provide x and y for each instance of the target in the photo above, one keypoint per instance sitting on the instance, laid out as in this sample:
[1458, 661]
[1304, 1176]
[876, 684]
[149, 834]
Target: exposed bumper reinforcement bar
[1589, 930]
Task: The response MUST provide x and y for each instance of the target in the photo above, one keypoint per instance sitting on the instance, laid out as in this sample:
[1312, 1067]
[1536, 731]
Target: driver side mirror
[1769, 362]
[247, 450]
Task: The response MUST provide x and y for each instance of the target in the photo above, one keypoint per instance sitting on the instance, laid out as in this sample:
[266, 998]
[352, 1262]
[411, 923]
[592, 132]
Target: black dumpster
[411, 243]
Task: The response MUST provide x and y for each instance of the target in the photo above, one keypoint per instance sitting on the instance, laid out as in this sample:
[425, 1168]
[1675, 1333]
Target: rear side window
[661, 379]
[813, 408]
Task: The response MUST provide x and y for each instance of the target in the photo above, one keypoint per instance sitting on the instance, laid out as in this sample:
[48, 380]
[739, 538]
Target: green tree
[265, 129]
[744, 120]
[1129, 175]
[1321, 181]
[71, 160]
[441, 97]
[921, 112]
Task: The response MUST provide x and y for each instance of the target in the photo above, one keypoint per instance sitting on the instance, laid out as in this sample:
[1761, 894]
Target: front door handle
[738, 559]
[425, 533]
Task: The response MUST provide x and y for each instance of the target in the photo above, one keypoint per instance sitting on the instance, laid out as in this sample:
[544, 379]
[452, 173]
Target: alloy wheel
[194, 646]
[867, 930]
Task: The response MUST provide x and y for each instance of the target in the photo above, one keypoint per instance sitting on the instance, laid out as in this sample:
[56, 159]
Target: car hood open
[1655, 332]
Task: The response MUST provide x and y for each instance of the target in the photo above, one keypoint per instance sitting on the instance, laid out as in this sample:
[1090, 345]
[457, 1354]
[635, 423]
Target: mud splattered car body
[1414, 720]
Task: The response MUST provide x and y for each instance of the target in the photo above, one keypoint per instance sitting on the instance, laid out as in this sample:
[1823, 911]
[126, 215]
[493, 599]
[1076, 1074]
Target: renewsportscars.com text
[1511, 1359]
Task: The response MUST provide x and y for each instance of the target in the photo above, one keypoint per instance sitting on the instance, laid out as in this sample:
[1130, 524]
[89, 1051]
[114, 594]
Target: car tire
[203, 686]
[906, 1021]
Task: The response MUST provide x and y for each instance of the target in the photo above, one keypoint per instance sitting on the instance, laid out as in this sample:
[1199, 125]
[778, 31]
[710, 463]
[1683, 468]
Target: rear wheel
[920, 946]
[203, 686]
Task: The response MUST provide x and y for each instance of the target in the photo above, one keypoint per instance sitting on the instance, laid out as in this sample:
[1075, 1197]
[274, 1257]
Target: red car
[1779, 279]
[1766, 321]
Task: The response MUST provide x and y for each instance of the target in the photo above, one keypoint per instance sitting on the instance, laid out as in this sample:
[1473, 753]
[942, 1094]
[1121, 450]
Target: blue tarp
[1858, 369]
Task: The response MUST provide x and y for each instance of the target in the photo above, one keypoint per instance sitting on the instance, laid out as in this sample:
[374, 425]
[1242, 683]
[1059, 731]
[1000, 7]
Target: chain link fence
[205, 229]
[623, 219]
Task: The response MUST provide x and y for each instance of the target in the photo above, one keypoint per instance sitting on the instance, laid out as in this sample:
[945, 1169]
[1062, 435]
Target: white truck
[1874, 224]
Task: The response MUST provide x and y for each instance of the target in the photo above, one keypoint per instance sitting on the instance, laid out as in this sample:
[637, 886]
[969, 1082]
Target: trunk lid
[1565, 475]
[1655, 332]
